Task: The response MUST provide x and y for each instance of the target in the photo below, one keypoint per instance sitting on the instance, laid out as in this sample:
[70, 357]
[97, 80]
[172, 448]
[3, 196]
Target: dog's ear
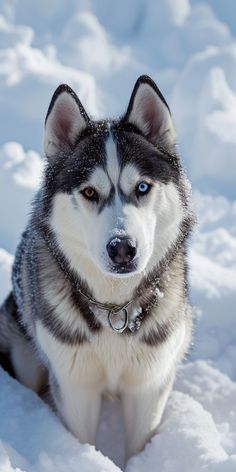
[149, 112]
[65, 121]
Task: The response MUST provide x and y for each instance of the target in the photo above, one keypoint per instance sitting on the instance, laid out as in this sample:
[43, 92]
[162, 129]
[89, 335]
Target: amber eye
[90, 194]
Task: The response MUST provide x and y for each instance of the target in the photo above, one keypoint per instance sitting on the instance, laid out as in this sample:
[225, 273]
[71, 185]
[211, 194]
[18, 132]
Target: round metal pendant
[116, 322]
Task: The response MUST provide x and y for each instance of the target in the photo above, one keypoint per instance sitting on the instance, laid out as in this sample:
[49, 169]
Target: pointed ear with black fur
[65, 121]
[149, 112]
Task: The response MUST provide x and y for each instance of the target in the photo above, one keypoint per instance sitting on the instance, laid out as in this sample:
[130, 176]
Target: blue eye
[142, 189]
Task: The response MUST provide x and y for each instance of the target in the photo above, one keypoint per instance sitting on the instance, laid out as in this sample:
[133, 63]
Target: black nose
[121, 250]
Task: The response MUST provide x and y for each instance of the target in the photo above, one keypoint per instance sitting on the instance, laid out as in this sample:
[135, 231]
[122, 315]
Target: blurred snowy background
[99, 48]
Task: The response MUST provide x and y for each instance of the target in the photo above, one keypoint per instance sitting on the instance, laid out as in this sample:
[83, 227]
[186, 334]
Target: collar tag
[118, 320]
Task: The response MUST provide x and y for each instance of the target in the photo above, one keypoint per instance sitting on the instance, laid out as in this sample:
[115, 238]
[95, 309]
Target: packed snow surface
[99, 49]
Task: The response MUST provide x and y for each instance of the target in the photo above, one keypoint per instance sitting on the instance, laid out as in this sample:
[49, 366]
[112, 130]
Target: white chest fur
[111, 361]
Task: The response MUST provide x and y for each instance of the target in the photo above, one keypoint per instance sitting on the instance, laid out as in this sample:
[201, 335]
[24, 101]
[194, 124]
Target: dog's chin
[122, 270]
[128, 269]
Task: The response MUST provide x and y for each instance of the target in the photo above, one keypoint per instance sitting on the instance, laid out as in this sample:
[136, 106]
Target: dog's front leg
[76, 381]
[143, 409]
[79, 409]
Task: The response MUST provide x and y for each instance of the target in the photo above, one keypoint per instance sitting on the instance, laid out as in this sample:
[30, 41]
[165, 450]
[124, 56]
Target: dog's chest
[108, 361]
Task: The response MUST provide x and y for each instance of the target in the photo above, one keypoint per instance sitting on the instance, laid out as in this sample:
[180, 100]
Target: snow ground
[189, 48]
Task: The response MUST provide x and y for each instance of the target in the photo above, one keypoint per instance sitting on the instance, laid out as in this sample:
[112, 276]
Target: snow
[20, 172]
[6, 261]
[189, 48]
[33, 438]
[199, 425]
[194, 427]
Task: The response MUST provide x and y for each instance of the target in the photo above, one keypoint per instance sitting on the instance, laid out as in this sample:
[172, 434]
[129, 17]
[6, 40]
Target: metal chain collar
[113, 312]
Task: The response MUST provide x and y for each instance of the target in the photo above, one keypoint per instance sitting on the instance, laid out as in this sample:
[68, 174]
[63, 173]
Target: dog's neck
[120, 305]
[104, 288]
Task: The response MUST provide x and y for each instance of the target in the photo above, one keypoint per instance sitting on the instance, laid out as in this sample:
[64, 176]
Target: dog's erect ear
[149, 112]
[65, 120]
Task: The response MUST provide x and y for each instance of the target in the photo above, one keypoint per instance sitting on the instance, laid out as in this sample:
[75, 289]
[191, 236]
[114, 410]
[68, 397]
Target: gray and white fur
[108, 228]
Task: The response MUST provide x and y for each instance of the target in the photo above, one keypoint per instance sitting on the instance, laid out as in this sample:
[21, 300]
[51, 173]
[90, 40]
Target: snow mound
[196, 428]
[6, 261]
[199, 427]
[33, 73]
[19, 178]
[33, 438]
[213, 282]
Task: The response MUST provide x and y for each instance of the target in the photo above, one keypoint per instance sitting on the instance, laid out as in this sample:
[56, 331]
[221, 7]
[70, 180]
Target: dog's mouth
[122, 268]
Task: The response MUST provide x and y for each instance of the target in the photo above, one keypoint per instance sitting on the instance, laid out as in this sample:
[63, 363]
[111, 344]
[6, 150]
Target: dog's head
[118, 194]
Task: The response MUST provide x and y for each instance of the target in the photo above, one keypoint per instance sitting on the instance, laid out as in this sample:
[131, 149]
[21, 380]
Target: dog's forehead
[112, 161]
[118, 170]
[110, 156]
[114, 171]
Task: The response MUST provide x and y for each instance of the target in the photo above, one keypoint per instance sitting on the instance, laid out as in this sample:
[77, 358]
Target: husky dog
[99, 300]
